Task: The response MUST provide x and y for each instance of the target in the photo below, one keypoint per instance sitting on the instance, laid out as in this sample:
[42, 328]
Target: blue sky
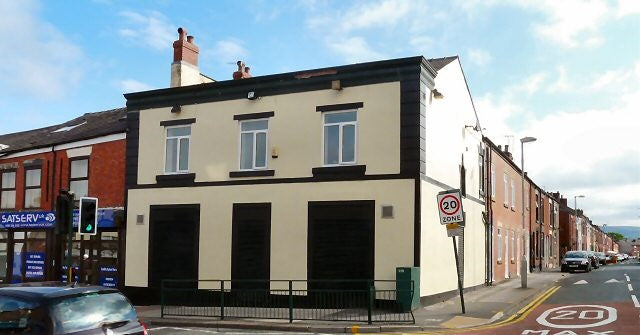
[566, 72]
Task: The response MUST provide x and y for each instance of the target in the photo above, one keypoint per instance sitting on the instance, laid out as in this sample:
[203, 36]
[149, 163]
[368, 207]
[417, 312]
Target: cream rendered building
[322, 174]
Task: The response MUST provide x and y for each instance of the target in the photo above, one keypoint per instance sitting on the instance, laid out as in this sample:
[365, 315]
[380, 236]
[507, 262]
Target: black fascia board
[292, 82]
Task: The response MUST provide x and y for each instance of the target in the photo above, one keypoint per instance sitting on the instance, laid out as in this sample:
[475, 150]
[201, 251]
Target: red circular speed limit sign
[450, 204]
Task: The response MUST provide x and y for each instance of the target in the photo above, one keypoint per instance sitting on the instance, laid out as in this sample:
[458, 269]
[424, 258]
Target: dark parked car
[576, 261]
[602, 258]
[54, 308]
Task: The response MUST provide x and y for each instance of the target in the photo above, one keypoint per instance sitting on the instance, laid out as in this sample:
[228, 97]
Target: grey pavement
[483, 305]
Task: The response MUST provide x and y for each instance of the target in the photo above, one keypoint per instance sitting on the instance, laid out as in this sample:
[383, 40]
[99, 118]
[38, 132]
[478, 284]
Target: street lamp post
[575, 206]
[523, 263]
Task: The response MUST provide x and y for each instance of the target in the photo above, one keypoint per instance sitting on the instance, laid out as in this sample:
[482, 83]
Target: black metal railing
[339, 300]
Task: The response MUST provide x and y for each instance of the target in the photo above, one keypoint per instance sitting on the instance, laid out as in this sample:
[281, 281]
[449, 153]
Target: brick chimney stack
[184, 69]
[243, 71]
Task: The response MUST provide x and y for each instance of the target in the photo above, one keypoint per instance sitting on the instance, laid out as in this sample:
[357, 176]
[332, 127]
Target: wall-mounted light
[274, 152]
[252, 95]
[436, 94]
[176, 109]
[335, 85]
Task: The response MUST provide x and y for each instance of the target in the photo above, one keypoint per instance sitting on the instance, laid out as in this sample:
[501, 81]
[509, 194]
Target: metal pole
[455, 252]
[523, 261]
[69, 222]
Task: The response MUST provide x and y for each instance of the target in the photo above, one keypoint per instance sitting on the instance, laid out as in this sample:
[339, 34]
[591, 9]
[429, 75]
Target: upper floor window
[8, 189]
[481, 169]
[506, 190]
[79, 177]
[340, 131]
[493, 180]
[177, 149]
[32, 187]
[513, 194]
[253, 144]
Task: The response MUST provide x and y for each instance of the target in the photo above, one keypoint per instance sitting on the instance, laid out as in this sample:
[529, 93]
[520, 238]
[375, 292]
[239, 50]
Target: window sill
[513, 209]
[252, 173]
[499, 261]
[179, 179]
[505, 205]
[513, 261]
[339, 172]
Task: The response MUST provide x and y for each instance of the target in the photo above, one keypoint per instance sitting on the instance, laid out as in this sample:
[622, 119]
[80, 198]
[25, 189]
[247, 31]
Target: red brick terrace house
[85, 155]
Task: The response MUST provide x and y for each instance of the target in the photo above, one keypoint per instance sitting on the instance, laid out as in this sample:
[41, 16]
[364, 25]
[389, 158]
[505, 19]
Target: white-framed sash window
[8, 189]
[32, 188]
[340, 132]
[177, 145]
[253, 144]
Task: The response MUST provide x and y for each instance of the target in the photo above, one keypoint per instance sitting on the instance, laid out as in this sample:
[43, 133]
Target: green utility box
[407, 298]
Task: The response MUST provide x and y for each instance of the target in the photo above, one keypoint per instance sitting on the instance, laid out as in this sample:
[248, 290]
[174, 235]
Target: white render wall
[447, 142]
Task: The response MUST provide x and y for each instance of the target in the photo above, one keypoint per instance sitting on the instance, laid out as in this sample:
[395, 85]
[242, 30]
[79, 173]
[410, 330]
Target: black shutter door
[173, 243]
[251, 246]
[341, 244]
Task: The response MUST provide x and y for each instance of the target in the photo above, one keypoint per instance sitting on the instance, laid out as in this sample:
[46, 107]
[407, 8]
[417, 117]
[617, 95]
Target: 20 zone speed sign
[450, 207]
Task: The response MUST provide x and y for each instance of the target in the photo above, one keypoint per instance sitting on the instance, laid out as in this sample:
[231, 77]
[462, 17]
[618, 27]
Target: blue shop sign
[35, 265]
[27, 220]
[106, 218]
[35, 220]
[108, 276]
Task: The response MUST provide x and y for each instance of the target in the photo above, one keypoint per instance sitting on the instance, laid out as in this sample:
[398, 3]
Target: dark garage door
[251, 245]
[341, 244]
[173, 243]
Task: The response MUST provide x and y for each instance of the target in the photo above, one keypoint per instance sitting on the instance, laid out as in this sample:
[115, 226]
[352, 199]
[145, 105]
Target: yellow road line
[517, 317]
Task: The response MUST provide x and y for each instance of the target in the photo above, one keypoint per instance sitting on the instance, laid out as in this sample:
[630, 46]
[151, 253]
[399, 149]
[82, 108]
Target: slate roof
[87, 126]
[439, 63]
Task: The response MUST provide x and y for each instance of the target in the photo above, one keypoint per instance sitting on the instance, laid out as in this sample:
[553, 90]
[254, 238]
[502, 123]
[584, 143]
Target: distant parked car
[602, 258]
[576, 260]
[53, 308]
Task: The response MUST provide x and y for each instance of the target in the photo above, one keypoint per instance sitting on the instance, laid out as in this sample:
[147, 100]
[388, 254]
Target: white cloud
[593, 152]
[132, 85]
[562, 83]
[37, 58]
[628, 7]
[355, 50]
[230, 50]
[480, 57]
[568, 23]
[153, 29]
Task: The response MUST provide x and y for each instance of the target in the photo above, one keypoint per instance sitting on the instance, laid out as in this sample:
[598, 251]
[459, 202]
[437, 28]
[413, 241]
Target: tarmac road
[602, 302]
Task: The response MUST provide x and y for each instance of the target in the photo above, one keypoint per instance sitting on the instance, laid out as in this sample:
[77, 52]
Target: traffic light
[64, 213]
[88, 216]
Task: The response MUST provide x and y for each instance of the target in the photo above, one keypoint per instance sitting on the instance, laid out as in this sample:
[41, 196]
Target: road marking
[627, 277]
[635, 301]
[612, 315]
[612, 281]
[519, 316]
[581, 282]
[630, 287]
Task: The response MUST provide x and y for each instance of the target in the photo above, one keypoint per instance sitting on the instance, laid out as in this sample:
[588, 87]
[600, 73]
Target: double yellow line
[517, 317]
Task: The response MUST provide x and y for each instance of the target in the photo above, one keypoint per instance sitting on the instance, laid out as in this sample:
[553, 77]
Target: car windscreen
[576, 255]
[16, 314]
[91, 311]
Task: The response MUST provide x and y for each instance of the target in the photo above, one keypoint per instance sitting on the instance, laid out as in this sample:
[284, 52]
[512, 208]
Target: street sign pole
[70, 237]
[455, 252]
[452, 215]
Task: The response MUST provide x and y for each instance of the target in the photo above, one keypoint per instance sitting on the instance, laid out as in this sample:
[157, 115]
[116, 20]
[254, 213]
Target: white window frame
[513, 245]
[506, 189]
[255, 142]
[500, 242]
[493, 180]
[5, 190]
[513, 194]
[166, 139]
[341, 125]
